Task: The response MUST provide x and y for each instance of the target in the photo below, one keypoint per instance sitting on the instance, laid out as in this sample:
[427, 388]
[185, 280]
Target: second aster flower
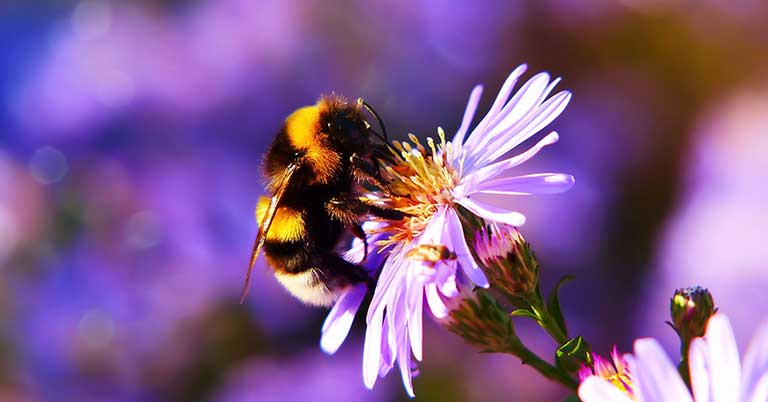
[439, 186]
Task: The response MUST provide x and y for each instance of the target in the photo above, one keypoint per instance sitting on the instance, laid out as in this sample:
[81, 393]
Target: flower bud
[509, 261]
[691, 308]
[481, 322]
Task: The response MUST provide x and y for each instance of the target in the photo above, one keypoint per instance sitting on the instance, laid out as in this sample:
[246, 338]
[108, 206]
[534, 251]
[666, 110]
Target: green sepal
[572, 398]
[553, 304]
[571, 355]
[521, 312]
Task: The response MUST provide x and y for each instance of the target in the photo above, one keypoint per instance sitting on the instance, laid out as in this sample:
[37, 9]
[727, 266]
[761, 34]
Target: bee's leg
[385, 213]
[358, 231]
[347, 208]
[369, 171]
[336, 269]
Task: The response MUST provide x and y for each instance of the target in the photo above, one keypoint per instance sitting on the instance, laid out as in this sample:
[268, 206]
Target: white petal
[596, 389]
[392, 275]
[539, 183]
[415, 308]
[503, 115]
[435, 302]
[404, 361]
[446, 281]
[759, 393]
[723, 357]
[755, 381]
[396, 311]
[491, 212]
[699, 369]
[501, 98]
[446, 270]
[463, 254]
[434, 233]
[388, 352]
[522, 103]
[339, 320]
[372, 348]
[657, 378]
[470, 181]
[517, 134]
[469, 114]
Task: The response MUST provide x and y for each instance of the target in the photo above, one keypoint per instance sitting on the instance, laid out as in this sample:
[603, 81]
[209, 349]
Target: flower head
[439, 185]
[507, 258]
[690, 309]
[717, 375]
[615, 371]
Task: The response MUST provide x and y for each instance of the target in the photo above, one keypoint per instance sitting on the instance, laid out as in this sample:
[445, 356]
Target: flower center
[419, 179]
[616, 372]
[621, 381]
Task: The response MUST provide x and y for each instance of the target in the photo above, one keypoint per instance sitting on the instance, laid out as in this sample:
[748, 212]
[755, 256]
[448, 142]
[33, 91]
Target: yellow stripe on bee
[304, 132]
[302, 127]
[287, 225]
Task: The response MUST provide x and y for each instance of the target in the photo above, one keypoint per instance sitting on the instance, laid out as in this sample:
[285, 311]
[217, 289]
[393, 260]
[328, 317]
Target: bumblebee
[314, 170]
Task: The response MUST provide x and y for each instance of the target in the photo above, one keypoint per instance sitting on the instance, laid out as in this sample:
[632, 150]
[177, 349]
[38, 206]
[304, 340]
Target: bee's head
[344, 123]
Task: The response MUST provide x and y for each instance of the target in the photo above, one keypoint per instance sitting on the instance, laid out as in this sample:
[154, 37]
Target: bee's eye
[335, 126]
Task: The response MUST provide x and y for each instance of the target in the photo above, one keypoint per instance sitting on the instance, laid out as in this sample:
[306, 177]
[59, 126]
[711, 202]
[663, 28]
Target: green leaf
[553, 304]
[521, 312]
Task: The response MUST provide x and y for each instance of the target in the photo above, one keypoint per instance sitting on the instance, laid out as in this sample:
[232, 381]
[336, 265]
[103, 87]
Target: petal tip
[327, 346]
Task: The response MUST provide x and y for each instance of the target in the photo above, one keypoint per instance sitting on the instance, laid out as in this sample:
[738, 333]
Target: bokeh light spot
[91, 19]
[96, 328]
[8, 232]
[142, 230]
[48, 165]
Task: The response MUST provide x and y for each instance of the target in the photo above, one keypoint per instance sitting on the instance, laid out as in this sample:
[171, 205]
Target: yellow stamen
[420, 179]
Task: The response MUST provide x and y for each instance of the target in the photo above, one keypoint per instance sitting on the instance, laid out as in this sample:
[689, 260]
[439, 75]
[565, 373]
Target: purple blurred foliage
[716, 238]
[311, 376]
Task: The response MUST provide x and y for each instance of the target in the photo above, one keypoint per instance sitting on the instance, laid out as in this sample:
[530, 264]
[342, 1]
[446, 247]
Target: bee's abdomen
[291, 257]
[288, 224]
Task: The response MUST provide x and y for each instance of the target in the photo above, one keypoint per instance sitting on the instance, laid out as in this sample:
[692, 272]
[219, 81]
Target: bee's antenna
[370, 109]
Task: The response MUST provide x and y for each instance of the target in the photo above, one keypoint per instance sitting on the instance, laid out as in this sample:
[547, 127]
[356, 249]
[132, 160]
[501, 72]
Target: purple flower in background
[716, 236]
[716, 373]
[472, 172]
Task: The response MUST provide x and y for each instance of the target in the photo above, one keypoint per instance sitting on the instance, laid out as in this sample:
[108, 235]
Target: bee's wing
[281, 185]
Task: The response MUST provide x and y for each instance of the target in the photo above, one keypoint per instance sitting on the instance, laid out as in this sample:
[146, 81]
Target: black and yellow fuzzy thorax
[324, 136]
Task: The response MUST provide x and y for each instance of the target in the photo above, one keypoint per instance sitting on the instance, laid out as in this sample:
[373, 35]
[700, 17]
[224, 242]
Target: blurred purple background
[130, 141]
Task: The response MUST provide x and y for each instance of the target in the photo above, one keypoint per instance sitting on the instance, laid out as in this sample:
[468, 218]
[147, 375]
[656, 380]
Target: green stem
[547, 370]
[549, 324]
[682, 367]
[545, 320]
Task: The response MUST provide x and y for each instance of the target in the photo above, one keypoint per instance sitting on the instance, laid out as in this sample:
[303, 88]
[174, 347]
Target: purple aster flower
[615, 371]
[717, 375]
[430, 183]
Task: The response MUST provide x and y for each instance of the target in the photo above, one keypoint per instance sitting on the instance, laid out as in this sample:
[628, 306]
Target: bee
[431, 254]
[314, 168]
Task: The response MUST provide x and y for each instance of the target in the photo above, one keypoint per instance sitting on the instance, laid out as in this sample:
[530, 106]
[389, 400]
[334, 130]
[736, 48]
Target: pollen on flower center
[419, 179]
